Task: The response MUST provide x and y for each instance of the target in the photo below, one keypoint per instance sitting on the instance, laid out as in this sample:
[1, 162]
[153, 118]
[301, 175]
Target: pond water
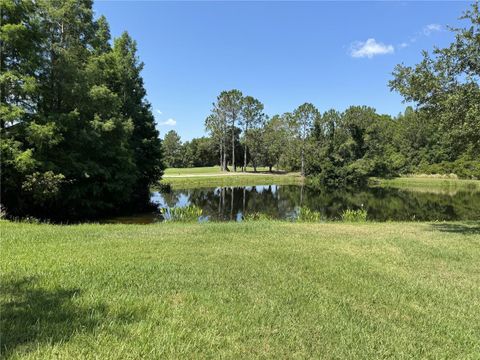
[283, 202]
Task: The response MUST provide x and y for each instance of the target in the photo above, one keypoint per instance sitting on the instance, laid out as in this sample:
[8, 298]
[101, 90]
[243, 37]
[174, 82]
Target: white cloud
[430, 28]
[403, 45]
[169, 122]
[369, 49]
[159, 112]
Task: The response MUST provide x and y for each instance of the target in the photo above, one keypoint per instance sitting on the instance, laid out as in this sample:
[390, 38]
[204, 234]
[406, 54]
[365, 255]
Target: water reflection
[283, 201]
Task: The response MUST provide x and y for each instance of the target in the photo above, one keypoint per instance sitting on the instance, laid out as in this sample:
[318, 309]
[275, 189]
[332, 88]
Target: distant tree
[203, 151]
[172, 147]
[229, 104]
[257, 146]
[252, 118]
[291, 155]
[216, 125]
[275, 141]
[303, 119]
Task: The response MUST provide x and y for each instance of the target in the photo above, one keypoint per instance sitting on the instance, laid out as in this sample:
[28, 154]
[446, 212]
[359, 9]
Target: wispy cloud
[169, 122]
[427, 30]
[158, 112]
[370, 48]
[430, 28]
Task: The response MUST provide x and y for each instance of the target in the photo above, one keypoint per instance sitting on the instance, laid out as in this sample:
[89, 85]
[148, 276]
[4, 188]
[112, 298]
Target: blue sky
[332, 54]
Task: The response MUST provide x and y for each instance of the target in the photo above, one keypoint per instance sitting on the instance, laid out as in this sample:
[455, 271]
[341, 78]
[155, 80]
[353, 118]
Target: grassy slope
[244, 180]
[204, 170]
[213, 177]
[428, 182]
[196, 170]
[263, 289]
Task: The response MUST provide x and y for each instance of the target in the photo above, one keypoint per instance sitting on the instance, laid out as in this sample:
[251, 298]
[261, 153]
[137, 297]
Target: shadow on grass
[32, 316]
[469, 228]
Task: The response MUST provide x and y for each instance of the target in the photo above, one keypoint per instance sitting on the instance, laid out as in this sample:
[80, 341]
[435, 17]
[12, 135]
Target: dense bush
[359, 215]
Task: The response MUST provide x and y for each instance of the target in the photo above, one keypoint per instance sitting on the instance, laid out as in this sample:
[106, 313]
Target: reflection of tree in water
[171, 198]
[228, 203]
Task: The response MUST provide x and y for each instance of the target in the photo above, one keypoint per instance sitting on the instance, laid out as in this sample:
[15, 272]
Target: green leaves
[78, 136]
[445, 86]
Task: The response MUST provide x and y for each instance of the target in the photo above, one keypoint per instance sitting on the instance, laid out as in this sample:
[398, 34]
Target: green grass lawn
[243, 180]
[423, 182]
[207, 170]
[241, 290]
[185, 178]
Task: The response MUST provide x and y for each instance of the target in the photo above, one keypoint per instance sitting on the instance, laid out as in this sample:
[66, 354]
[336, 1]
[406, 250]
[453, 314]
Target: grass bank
[249, 290]
[427, 183]
[212, 177]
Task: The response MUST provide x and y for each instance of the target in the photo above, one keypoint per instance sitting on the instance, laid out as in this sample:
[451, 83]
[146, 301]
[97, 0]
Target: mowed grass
[194, 170]
[185, 178]
[424, 182]
[241, 290]
[207, 170]
[242, 180]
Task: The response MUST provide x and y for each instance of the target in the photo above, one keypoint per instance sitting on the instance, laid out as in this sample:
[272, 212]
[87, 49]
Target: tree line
[78, 135]
[440, 134]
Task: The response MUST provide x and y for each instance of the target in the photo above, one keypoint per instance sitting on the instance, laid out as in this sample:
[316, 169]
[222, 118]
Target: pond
[284, 201]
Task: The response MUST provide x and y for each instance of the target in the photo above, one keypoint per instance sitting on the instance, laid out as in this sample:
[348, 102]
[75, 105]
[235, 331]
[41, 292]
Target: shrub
[359, 215]
[182, 214]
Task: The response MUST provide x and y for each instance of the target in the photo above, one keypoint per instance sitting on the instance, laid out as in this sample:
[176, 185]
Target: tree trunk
[245, 152]
[224, 161]
[270, 168]
[245, 159]
[303, 161]
[221, 157]
[233, 147]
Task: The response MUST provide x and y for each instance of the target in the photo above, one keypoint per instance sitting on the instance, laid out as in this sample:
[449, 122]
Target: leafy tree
[78, 137]
[144, 140]
[275, 141]
[216, 125]
[252, 119]
[172, 147]
[229, 104]
[445, 88]
[201, 152]
[303, 119]
[257, 146]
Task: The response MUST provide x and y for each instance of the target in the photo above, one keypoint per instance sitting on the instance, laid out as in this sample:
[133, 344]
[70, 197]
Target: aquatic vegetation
[182, 214]
[359, 215]
[307, 215]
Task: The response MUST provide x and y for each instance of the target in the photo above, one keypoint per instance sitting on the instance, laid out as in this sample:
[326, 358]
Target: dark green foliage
[78, 137]
[441, 136]
[172, 147]
[445, 86]
[200, 152]
[348, 148]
